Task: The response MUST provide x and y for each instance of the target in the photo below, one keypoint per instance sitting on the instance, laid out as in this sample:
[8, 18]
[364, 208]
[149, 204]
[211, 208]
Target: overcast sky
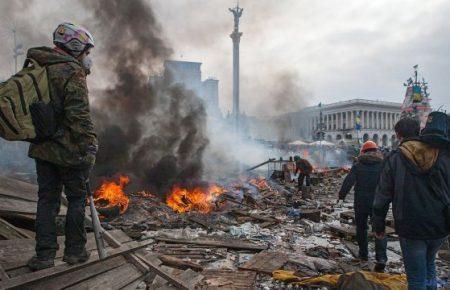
[293, 52]
[336, 50]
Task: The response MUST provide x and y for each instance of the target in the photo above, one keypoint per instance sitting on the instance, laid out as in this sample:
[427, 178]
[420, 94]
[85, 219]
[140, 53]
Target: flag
[357, 122]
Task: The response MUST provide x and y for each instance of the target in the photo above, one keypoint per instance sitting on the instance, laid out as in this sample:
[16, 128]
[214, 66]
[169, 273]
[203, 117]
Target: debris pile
[254, 228]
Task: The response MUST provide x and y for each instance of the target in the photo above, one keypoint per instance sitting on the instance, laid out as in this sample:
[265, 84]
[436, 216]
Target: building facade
[338, 121]
[189, 75]
[335, 121]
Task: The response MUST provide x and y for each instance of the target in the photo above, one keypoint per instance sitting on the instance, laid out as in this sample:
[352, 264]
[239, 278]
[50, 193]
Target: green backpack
[19, 98]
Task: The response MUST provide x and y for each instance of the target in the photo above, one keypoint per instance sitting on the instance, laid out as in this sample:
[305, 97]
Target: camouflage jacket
[76, 142]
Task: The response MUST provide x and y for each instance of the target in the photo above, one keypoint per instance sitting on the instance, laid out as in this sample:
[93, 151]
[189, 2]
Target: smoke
[275, 118]
[155, 132]
[284, 93]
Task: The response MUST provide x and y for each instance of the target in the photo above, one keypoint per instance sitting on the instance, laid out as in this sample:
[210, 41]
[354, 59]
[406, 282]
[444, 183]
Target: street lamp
[17, 50]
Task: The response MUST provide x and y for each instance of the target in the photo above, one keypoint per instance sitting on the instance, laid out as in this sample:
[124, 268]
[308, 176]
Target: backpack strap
[29, 60]
[32, 61]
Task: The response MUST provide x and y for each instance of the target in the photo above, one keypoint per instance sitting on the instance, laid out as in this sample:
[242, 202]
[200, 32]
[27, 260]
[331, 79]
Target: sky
[294, 53]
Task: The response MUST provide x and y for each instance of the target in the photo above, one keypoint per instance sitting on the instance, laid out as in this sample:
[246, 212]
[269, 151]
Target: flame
[111, 194]
[196, 199]
[260, 183]
[144, 193]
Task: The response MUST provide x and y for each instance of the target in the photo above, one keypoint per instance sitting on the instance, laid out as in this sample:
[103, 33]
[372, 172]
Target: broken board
[225, 243]
[266, 262]
[228, 279]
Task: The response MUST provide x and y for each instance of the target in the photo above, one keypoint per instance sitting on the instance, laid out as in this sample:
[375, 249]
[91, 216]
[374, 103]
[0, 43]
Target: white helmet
[72, 38]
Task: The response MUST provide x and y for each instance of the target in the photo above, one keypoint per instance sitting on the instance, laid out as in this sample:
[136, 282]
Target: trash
[245, 230]
[269, 229]
[318, 251]
[293, 212]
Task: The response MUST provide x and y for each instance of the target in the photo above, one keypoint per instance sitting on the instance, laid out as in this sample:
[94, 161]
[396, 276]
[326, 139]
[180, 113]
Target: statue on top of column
[237, 12]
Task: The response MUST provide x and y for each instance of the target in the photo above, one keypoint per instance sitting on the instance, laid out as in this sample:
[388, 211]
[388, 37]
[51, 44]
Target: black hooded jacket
[364, 176]
[405, 181]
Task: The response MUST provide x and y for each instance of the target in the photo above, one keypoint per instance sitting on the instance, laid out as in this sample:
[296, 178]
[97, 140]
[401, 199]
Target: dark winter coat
[364, 176]
[405, 181]
[76, 143]
[303, 166]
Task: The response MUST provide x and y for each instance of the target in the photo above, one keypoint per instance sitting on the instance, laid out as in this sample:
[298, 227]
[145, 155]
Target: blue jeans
[419, 258]
[361, 237]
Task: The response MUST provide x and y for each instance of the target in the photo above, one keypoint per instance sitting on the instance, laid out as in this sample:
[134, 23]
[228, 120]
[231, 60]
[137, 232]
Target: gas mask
[86, 62]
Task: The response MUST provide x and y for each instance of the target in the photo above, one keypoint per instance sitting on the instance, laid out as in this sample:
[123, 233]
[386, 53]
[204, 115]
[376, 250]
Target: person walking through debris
[416, 179]
[64, 160]
[364, 177]
[305, 168]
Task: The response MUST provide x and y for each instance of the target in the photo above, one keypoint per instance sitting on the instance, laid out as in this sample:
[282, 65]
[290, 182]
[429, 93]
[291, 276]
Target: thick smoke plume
[155, 132]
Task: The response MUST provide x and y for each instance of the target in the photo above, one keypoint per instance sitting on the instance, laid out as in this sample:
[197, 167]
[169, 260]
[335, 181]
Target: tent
[322, 143]
[298, 143]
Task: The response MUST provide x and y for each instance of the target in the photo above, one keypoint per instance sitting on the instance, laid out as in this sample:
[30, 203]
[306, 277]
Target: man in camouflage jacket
[65, 160]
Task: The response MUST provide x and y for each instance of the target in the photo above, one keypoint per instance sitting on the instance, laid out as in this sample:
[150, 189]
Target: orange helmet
[368, 145]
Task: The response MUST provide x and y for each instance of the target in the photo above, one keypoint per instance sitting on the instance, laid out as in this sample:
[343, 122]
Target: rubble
[257, 227]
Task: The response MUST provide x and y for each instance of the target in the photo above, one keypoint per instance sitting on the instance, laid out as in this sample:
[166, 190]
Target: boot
[379, 267]
[36, 264]
[307, 192]
[75, 259]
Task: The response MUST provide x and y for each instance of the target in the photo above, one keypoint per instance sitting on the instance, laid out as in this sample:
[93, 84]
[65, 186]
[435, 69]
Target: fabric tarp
[348, 281]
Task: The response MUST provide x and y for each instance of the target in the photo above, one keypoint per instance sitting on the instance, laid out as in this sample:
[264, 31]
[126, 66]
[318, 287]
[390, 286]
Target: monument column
[236, 37]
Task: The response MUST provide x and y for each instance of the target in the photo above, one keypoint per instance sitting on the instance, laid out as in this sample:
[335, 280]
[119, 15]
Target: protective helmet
[369, 146]
[296, 158]
[72, 38]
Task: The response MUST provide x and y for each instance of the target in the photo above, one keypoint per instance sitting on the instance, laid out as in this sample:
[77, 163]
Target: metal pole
[98, 230]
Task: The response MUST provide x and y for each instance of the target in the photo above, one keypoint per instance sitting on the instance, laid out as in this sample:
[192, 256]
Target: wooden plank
[179, 263]
[133, 285]
[78, 276]
[159, 282]
[202, 222]
[311, 214]
[164, 274]
[19, 206]
[3, 275]
[344, 230]
[228, 279]
[10, 205]
[18, 189]
[229, 243]
[9, 231]
[111, 240]
[113, 279]
[192, 278]
[15, 253]
[27, 279]
[266, 262]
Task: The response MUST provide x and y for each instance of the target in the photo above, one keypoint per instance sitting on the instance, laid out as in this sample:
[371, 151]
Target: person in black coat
[416, 179]
[364, 177]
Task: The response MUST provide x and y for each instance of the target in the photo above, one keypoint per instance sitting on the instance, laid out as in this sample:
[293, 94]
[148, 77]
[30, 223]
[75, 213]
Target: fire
[196, 199]
[260, 183]
[111, 194]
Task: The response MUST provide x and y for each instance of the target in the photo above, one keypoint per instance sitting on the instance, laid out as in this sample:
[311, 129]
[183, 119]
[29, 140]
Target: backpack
[25, 110]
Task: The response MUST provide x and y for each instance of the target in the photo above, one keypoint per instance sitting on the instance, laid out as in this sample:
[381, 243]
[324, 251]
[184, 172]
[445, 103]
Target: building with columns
[337, 121]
